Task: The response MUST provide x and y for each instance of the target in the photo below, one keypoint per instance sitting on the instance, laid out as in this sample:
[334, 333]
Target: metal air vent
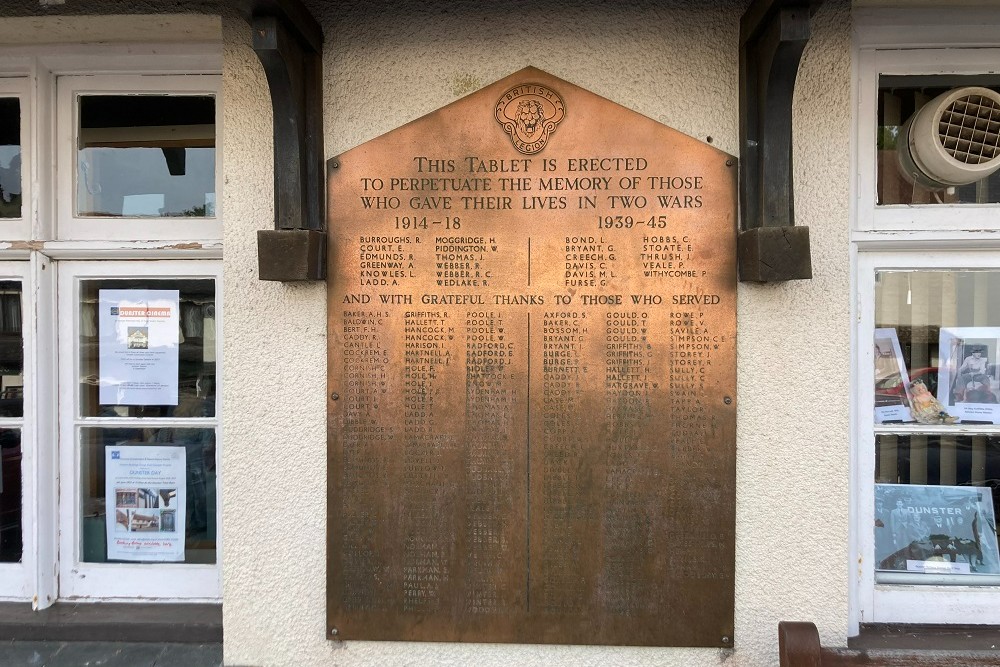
[952, 140]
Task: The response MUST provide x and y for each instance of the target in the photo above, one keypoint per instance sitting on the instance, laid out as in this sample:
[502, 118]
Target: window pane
[146, 156]
[938, 140]
[126, 355]
[154, 509]
[10, 495]
[11, 351]
[937, 343]
[936, 504]
[10, 157]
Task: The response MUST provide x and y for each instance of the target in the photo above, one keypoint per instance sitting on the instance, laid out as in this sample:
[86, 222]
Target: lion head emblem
[529, 113]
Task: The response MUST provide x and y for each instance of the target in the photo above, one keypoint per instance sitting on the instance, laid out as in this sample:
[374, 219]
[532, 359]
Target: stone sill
[927, 637]
[112, 622]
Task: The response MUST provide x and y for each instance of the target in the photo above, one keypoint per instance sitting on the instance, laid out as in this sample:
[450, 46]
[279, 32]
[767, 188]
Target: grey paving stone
[190, 655]
[105, 654]
[27, 654]
[108, 654]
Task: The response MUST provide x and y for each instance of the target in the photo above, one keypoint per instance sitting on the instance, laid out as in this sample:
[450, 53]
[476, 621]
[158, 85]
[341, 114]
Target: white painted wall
[387, 63]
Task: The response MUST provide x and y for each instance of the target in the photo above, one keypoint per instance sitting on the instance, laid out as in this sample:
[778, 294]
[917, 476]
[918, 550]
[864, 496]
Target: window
[110, 323]
[11, 189]
[110, 403]
[893, 192]
[929, 435]
[16, 489]
[938, 140]
[141, 157]
[15, 166]
[926, 247]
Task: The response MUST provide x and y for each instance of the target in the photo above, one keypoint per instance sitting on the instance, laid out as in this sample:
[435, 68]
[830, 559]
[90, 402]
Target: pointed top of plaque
[533, 114]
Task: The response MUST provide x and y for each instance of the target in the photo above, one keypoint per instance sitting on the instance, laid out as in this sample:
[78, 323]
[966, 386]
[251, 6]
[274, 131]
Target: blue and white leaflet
[146, 495]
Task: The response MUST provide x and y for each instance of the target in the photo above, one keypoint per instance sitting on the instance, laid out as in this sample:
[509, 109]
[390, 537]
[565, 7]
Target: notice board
[532, 377]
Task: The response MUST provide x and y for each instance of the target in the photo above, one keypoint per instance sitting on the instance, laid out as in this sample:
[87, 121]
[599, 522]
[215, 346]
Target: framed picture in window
[969, 379]
[892, 383]
[935, 529]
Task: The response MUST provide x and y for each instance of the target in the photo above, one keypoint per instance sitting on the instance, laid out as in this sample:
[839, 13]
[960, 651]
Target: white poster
[139, 333]
[146, 499]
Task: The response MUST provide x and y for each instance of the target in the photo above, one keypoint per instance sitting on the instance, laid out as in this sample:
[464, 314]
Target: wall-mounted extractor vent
[952, 140]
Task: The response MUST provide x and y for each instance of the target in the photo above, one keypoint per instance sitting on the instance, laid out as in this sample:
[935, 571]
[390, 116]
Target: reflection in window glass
[146, 156]
[145, 511]
[10, 157]
[10, 496]
[193, 338]
[937, 368]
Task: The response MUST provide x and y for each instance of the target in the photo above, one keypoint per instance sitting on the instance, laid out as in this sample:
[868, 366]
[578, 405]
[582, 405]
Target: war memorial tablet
[532, 377]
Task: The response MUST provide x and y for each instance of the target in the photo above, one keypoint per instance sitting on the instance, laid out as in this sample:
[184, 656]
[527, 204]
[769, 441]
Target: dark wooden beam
[295, 15]
[289, 43]
[773, 34]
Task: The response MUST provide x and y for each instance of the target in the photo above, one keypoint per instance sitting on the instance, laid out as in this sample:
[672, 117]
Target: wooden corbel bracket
[289, 43]
[773, 34]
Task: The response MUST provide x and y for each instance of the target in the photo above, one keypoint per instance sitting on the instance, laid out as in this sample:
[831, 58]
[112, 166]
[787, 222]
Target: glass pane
[10, 495]
[146, 156]
[937, 342]
[147, 347]
[952, 161]
[155, 509]
[11, 351]
[936, 505]
[10, 157]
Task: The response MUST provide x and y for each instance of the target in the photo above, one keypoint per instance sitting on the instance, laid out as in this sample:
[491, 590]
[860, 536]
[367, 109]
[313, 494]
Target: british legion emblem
[529, 113]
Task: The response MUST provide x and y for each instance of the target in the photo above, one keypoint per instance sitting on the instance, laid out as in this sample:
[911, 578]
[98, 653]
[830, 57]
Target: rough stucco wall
[794, 369]
[29, 22]
[388, 63]
[274, 478]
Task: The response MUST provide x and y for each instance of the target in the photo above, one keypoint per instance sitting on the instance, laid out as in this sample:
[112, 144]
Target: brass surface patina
[532, 377]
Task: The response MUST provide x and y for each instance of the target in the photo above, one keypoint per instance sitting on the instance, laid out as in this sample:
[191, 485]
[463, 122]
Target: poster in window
[139, 337]
[146, 500]
[969, 379]
[935, 529]
[892, 383]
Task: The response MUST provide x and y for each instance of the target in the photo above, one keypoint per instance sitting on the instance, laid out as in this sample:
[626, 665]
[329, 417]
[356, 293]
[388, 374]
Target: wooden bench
[799, 646]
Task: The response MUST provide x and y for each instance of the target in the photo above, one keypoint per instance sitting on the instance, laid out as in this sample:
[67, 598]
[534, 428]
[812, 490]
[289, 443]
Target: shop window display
[937, 433]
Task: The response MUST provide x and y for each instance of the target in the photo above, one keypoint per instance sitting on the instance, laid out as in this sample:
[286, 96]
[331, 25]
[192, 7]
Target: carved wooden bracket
[289, 43]
[773, 34]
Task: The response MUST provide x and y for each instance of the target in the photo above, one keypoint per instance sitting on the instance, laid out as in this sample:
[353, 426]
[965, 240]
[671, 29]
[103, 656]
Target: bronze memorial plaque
[532, 376]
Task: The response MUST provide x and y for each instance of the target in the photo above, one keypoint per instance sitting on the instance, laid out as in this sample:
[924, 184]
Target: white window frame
[70, 226]
[17, 579]
[20, 87]
[165, 582]
[36, 250]
[904, 237]
[916, 217]
[905, 603]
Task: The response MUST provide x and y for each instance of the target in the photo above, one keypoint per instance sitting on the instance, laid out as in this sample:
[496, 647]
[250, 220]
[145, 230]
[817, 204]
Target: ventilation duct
[952, 140]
